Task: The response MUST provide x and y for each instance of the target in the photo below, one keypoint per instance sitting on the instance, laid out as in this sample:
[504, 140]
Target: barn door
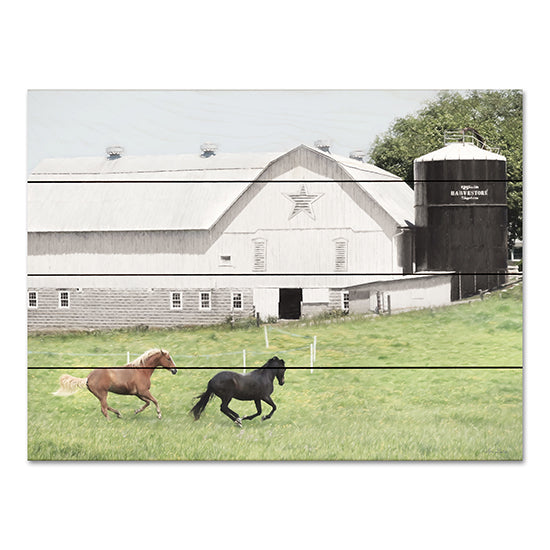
[290, 303]
[266, 302]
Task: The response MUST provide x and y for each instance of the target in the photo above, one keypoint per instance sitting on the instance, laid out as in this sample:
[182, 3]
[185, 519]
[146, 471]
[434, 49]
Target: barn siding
[415, 292]
[118, 242]
[299, 251]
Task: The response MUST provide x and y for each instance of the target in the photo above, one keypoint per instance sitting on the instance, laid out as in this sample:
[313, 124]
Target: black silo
[461, 216]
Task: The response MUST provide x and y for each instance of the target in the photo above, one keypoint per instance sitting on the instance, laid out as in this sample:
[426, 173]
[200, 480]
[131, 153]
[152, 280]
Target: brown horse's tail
[203, 400]
[69, 384]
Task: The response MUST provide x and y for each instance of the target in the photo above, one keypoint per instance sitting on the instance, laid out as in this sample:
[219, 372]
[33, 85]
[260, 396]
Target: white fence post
[266, 338]
[127, 357]
[314, 348]
[244, 361]
[311, 358]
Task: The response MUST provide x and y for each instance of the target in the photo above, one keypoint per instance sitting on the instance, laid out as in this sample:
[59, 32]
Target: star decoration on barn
[303, 202]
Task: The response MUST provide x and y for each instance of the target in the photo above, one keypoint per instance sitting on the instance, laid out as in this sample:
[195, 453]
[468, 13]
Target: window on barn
[33, 299]
[340, 255]
[225, 259]
[64, 299]
[175, 300]
[237, 300]
[345, 300]
[205, 301]
[259, 255]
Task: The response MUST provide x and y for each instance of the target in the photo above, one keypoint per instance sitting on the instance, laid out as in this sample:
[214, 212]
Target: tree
[496, 114]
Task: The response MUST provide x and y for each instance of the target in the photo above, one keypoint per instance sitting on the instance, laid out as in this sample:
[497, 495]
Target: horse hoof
[239, 423]
[159, 416]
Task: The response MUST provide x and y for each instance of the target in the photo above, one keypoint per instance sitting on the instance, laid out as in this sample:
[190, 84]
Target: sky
[75, 123]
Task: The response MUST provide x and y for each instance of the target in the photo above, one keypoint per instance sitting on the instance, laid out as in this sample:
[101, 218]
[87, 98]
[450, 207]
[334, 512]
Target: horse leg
[113, 410]
[102, 396]
[269, 401]
[146, 395]
[258, 409]
[228, 412]
[104, 407]
[147, 403]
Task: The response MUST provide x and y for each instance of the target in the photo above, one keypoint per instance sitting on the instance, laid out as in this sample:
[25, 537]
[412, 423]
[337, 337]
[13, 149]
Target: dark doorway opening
[290, 303]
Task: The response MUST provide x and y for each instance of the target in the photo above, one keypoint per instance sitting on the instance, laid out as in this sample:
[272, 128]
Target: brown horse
[132, 379]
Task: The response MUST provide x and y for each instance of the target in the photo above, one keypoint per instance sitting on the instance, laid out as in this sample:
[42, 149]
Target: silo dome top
[460, 151]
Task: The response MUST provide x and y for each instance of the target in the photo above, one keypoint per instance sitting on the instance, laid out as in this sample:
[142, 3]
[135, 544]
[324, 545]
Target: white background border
[244, 44]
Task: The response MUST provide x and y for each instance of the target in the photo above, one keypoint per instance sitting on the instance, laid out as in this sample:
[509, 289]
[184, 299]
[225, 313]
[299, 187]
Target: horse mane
[140, 361]
[267, 365]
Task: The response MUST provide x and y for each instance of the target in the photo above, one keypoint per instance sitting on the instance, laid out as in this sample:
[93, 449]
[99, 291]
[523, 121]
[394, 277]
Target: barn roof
[128, 206]
[145, 193]
[363, 171]
[120, 194]
[387, 189]
[148, 168]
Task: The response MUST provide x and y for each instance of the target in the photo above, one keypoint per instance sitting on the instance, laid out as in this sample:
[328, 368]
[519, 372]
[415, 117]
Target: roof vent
[208, 150]
[323, 145]
[114, 152]
[357, 155]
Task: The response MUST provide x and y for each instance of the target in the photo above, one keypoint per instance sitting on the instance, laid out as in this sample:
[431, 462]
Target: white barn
[193, 239]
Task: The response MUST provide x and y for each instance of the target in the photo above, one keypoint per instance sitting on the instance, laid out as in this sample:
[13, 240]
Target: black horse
[255, 386]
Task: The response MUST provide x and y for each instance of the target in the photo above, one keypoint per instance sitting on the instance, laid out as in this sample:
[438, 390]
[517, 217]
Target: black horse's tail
[203, 400]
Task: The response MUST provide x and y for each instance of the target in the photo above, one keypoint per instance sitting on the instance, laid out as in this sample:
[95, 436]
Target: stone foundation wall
[93, 308]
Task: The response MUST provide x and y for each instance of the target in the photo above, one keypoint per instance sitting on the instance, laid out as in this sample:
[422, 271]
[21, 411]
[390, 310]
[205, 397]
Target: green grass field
[344, 413]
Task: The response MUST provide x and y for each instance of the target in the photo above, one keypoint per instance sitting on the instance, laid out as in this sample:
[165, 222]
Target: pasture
[338, 412]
